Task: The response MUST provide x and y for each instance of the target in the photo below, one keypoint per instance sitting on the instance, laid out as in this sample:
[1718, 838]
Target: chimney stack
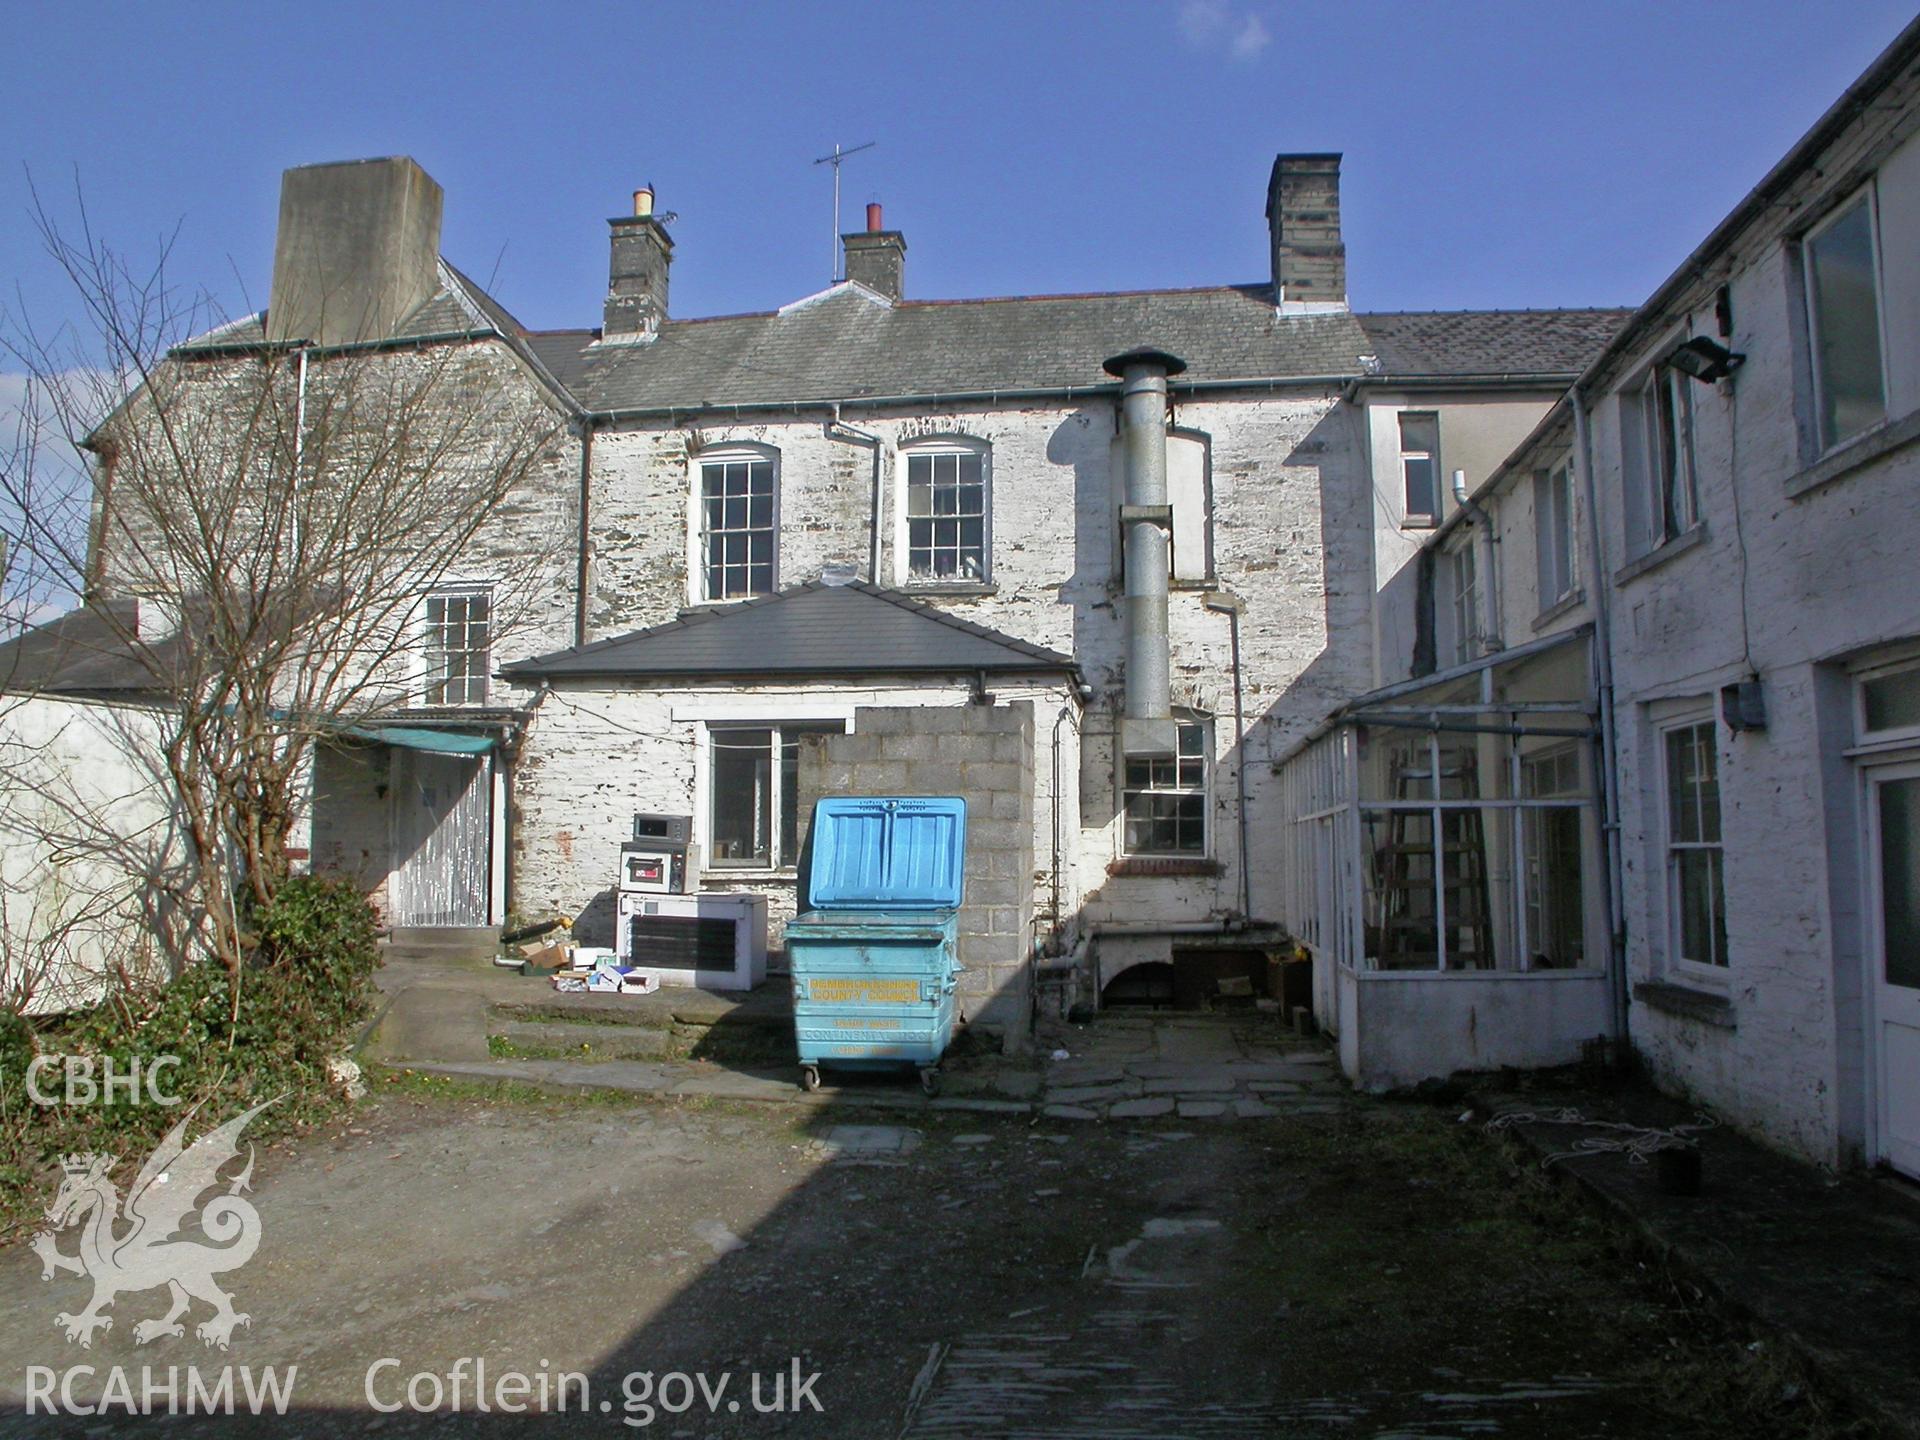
[1303, 220]
[637, 274]
[877, 258]
[358, 248]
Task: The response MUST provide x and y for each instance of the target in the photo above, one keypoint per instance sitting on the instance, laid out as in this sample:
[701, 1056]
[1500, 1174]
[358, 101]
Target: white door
[1893, 820]
[442, 836]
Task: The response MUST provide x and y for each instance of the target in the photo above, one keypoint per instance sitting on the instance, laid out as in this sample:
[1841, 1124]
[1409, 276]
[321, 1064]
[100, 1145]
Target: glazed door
[1893, 818]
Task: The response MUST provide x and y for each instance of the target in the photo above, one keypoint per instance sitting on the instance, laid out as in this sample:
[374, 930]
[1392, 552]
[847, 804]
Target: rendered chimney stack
[637, 273]
[358, 248]
[877, 257]
[1303, 223]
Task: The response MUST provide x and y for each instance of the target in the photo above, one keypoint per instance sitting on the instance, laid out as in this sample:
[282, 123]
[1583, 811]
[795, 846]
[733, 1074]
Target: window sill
[1419, 522]
[1139, 865]
[1855, 454]
[951, 587]
[1660, 555]
[1566, 604]
[1686, 1002]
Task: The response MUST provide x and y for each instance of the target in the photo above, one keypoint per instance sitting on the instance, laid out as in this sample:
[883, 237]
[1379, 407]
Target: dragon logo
[138, 1250]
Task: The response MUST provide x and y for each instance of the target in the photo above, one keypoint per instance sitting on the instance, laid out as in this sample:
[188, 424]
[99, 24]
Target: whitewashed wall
[1792, 573]
[88, 849]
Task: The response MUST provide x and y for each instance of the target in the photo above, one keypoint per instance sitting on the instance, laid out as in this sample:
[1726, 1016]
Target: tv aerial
[836, 159]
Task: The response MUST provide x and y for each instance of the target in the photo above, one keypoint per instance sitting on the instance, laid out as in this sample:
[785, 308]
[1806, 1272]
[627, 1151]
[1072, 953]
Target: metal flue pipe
[1146, 521]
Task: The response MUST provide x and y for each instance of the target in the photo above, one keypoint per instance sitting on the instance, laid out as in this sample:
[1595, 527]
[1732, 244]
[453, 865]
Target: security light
[1705, 360]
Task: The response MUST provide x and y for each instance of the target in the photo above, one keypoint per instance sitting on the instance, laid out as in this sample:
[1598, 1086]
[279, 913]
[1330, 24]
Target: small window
[737, 525]
[1843, 318]
[754, 785]
[1420, 465]
[946, 514]
[1696, 884]
[1890, 702]
[1166, 799]
[1553, 533]
[1666, 407]
[458, 642]
[1464, 583]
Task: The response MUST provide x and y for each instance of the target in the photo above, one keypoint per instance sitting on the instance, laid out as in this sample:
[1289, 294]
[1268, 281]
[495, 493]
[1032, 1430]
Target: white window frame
[1465, 600]
[934, 446]
[1678, 963]
[1867, 195]
[707, 791]
[1204, 789]
[699, 589]
[426, 645]
[1677, 388]
[1408, 515]
[1558, 563]
[1893, 737]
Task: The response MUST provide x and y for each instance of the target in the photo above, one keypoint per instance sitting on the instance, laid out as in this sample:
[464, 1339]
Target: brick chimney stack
[1303, 220]
[877, 257]
[637, 274]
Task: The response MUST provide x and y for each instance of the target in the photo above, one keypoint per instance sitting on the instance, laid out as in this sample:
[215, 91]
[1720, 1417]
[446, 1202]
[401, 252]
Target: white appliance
[715, 942]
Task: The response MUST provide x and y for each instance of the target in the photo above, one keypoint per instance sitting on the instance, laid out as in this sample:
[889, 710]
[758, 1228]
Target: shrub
[263, 1033]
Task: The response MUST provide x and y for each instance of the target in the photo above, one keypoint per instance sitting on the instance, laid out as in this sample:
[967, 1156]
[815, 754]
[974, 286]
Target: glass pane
[1703, 934]
[919, 470]
[1683, 818]
[919, 500]
[1900, 880]
[1893, 701]
[742, 771]
[1556, 909]
[1420, 432]
[1846, 325]
[1422, 493]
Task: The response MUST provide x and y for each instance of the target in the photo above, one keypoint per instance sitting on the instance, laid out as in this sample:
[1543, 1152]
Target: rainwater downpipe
[299, 447]
[1490, 638]
[1231, 605]
[1613, 896]
[583, 572]
[838, 429]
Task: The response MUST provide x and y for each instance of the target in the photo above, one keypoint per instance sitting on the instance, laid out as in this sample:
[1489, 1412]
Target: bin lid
[888, 852]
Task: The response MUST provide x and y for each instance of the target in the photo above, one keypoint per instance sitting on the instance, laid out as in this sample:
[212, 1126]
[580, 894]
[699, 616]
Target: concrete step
[472, 939]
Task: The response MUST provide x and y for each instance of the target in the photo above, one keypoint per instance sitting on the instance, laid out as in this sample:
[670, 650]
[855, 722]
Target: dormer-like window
[947, 511]
[739, 522]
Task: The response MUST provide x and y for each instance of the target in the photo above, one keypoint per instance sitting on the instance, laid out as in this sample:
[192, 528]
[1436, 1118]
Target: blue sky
[1496, 154]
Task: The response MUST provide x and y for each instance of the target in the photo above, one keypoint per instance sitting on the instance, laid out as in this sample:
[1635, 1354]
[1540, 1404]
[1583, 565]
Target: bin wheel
[809, 1077]
[930, 1082]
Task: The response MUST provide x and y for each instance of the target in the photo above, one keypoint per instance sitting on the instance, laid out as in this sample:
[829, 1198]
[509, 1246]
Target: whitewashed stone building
[1157, 519]
[1668, 656]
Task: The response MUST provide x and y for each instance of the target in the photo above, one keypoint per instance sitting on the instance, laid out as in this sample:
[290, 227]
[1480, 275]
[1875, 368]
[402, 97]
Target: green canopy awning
[437, 742]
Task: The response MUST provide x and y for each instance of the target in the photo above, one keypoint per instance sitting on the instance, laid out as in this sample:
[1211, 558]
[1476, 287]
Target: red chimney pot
[874, 227]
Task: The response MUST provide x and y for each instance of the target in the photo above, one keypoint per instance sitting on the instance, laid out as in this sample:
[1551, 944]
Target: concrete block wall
[984, 754]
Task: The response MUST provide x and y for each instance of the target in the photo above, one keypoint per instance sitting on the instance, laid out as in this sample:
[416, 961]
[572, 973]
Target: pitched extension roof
[847, 343]
[812, 629]
[1436, 344]
[84, 652]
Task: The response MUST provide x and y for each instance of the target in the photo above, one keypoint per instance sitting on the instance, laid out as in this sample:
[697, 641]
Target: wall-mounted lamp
[1705, 360]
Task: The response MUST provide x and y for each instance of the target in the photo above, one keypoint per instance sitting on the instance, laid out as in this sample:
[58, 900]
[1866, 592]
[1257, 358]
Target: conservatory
[1446, 869]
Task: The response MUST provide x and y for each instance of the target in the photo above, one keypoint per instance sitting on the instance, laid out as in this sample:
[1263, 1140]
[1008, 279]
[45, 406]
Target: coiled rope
[1636, 1142]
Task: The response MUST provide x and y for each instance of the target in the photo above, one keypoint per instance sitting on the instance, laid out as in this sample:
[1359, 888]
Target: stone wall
[984, 754]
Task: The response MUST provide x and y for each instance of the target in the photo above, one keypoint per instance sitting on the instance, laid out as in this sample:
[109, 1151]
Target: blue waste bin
[874, 958]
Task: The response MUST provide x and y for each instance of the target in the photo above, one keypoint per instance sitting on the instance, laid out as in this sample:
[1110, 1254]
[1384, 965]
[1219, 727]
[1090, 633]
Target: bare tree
[279, 513]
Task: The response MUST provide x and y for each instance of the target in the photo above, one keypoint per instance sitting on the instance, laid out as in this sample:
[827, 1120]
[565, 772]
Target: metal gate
[442, 824]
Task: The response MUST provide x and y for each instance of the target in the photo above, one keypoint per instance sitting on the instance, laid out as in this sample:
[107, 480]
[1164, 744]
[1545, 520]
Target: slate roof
[1438, 343]
[812, 629]
[83, 652]
[849, 344]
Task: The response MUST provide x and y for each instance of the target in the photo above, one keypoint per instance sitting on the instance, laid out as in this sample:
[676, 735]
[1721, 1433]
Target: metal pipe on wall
[1146, 521]
[1613, 896]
